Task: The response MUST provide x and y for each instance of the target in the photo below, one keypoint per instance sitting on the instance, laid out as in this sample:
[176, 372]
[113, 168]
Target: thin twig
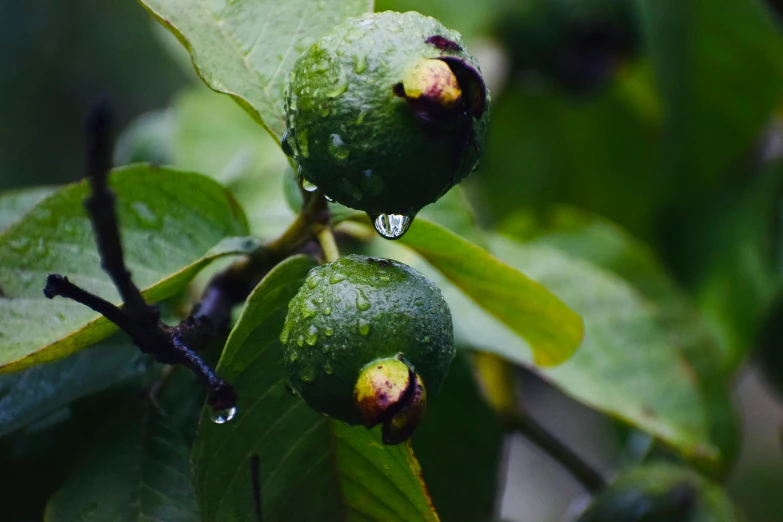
[588, 477]
[211, 316]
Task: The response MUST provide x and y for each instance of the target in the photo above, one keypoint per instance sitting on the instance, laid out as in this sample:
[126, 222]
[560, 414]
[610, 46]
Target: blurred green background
[665, 126]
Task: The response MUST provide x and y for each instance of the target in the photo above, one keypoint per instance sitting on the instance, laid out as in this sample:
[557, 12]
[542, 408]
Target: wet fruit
[366, 341]
[386, 113]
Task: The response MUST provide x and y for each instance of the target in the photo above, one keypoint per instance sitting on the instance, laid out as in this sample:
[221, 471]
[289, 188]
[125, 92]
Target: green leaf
[173, 224]
[15, 203]
[135, 468]
[600, 153]
[245, 48]
[617, 369]
[459, 446]
[719, 69]
[33, 393]
[552, 329]
[731, 257]
[612, 250]
[344, 473]
[212, 135]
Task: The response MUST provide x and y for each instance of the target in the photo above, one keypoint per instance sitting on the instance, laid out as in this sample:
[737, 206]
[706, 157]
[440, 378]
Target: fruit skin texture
[357, 310]
[355, 134]
[661, 492]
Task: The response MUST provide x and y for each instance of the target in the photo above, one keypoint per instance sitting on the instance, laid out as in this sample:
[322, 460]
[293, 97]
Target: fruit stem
[328, 245]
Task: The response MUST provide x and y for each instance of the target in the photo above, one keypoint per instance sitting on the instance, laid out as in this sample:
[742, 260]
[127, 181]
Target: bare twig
[211, 316]
[526, 426]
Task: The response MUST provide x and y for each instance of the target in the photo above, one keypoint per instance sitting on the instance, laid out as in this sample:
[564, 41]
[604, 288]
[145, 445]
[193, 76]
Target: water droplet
[300, 341]
[364, 327]
[336, 278]
[312, 282]
[307, 374]
[290, 389]
[308, 186]
[328, 310]
[372, 184]
[222, 416]
[418, 301]
[361, 117]
[285, 143]
[319, 300]
[427, 339]
[284, 335]
[304, 145]
[312, 335]
[330, 200]
[339, 90]
[361, 63]
[328, 368]
[20, 245]
[293, 357]
[338, 148]
[328, 332]
[144, 212]
[362, 303]
[391, 226]
[309, 310]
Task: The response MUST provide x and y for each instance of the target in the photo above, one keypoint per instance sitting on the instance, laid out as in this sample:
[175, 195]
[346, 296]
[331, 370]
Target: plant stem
[328, 245]
[588, 477]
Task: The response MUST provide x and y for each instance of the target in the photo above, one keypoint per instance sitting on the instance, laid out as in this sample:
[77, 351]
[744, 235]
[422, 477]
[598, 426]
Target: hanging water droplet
[328, 368]
[337, 147]
[391, 226]
[222, 416]
[308, 186]
[330, 200]
[285, 143]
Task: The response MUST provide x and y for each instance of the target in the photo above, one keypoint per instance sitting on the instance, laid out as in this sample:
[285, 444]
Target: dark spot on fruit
[444, 44]
[380, 367]
[399, 90]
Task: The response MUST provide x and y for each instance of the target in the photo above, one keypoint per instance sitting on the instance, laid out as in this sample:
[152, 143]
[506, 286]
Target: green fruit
[661, 492]
[386, 113]
[366, 340]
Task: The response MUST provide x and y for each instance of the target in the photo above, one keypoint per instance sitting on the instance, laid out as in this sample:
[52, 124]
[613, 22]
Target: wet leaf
[246, 48]
[173, 224]
[135, 468]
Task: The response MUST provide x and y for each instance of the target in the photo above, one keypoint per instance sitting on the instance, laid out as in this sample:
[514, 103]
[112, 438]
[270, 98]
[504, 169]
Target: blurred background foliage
[642, 136]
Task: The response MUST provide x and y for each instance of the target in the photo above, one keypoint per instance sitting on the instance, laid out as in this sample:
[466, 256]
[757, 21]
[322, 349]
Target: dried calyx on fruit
[366, 341]
[386, 114]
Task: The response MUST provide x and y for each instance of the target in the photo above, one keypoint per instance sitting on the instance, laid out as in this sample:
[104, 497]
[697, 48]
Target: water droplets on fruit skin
[337, 147]
[364, 327]
[362, 303]
[222, 416]
[391, 226]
